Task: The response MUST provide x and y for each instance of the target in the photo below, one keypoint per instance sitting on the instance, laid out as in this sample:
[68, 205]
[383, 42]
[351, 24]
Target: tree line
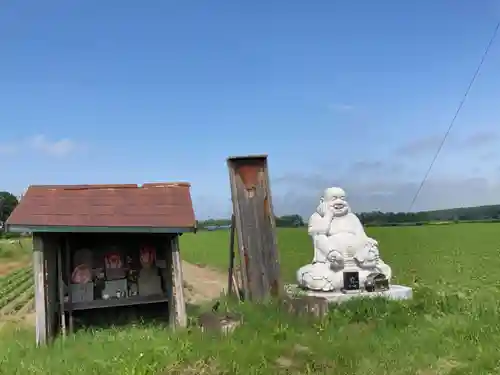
[490, 213]
[8, 202]
[290, 221]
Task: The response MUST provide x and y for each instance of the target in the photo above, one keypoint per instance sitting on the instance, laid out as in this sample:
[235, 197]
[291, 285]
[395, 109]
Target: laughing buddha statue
[340, 245]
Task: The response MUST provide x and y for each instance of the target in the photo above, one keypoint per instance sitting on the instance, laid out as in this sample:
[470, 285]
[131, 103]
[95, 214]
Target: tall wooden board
[50, 248]
[255, 227]
[40, 289]
[179, 303]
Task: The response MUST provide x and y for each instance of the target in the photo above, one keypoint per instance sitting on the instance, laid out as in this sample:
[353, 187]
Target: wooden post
[68, 281]
[170, 283]
[239, 231]
[50, 249]
[231, 257]
[178, 288]
[40, 305]
[60, 286]
[255, 225]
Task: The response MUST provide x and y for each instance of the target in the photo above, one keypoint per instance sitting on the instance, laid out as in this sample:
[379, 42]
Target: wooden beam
[50, 259]
[68, 282]
[239, 232]
[116, 302]
[170, 283]
[40, 302]
[60, 287]
[177, 282]
[231, 257]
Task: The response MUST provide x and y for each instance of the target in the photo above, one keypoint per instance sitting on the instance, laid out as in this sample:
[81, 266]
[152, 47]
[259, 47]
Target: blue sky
[349, 93]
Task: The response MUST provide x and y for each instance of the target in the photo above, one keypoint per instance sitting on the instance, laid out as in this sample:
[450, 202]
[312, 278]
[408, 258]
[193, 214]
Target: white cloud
[8, 149]
[341, 107]
[58, 148]
[429, 145]
[300, 193]
[420, 146]
[480, 139]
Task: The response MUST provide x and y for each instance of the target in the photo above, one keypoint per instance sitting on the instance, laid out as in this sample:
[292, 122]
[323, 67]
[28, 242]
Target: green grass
[450, 327]
[455, 257]
[15, 248]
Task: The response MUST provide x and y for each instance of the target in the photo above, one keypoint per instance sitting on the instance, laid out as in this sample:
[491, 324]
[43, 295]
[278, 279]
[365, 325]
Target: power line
[452, 123]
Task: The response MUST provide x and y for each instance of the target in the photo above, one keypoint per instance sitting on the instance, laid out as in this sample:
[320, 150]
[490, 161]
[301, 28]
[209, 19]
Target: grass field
[452, 257]
[450, 327]
[15, 248]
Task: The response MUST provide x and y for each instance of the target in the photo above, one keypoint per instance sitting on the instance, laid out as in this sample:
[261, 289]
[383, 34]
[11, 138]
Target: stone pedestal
[396, 292]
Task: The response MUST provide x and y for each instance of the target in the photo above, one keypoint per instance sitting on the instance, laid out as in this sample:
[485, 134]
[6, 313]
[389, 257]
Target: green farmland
[460, 257]
[450, 327]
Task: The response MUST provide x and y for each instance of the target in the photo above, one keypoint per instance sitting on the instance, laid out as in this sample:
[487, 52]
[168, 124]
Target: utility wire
[452, 123]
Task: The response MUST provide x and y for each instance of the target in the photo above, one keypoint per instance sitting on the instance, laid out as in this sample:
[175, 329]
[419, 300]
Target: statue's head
[334, 200]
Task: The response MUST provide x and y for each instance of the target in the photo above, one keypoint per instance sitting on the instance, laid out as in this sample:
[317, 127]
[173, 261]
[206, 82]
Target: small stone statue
[149, 280]
[340, 246]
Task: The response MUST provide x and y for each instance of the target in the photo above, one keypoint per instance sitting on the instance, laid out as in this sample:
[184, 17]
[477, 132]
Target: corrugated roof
[158, 205]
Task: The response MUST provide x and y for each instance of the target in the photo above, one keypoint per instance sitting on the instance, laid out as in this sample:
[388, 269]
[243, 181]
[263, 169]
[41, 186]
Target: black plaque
[351, 281]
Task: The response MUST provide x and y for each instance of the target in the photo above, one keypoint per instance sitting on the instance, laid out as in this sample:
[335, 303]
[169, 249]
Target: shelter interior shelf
[114, 302]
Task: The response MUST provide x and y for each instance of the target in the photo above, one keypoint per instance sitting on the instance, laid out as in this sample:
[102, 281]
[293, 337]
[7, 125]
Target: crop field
[454, 257]
[16, 294]
[450, 327]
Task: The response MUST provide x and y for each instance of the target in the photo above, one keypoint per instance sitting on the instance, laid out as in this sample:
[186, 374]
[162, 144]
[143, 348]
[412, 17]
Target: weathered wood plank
[116, 302]
[40, 301]
[60, 289]
[177, 281]
[170, 284]
[255, 226]
[50, 261]
[233, 285]
[239, 231]
[253, 243]
[273, 258]
[67, 247]
[230, 279]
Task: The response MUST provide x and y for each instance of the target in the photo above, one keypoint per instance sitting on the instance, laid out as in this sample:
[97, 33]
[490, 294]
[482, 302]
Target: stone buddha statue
[340, 246]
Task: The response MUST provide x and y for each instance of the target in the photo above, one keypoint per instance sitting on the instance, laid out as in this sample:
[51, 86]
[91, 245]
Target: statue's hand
[328, 214]
[369, 256]
[335, 258]
[373, 255]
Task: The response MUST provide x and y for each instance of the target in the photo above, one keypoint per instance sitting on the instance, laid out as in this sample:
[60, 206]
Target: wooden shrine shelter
[98, 246]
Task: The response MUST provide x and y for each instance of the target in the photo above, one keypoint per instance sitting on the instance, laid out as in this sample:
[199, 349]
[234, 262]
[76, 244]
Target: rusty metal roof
[158, 207]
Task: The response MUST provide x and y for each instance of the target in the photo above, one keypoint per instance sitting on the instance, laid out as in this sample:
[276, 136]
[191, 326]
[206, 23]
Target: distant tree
[8, 202]
[378, 218]
[213, 223]
[290, 221]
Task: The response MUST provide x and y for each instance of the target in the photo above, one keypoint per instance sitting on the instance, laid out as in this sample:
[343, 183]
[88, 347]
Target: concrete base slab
[396, 292]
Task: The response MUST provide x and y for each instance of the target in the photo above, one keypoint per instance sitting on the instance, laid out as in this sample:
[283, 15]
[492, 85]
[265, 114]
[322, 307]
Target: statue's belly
[346, 242]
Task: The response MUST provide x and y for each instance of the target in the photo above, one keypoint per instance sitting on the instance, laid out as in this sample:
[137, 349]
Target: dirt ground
[8, 267]
[202, 284]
